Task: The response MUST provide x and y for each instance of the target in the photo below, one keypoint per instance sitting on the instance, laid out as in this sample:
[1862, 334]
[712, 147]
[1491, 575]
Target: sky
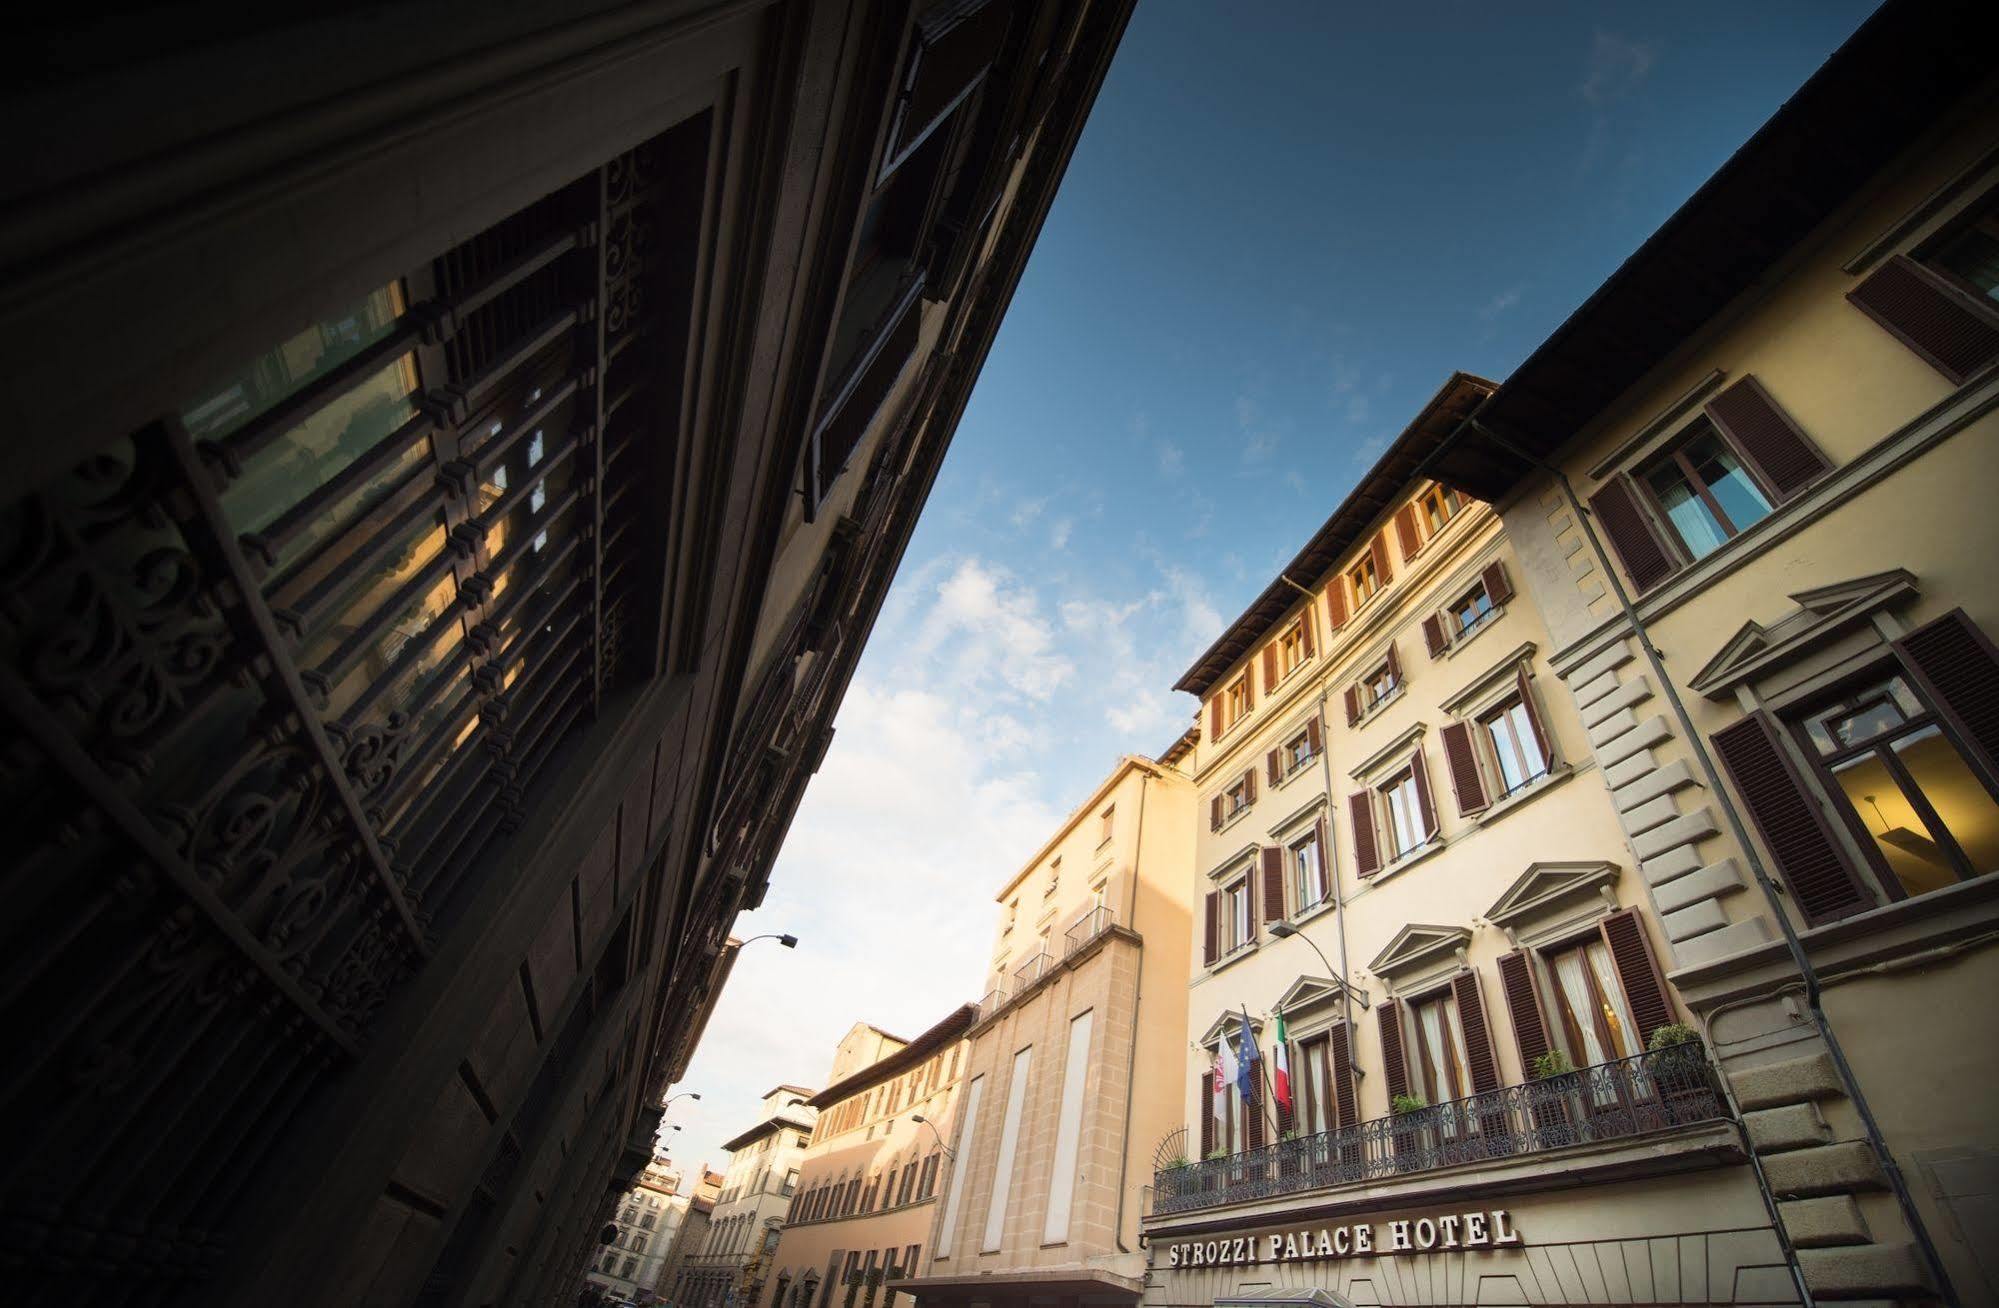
[1283, 227]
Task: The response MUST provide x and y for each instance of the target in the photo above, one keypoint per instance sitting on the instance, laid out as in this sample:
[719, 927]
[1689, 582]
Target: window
[1969, 255]
[1406, 828]
[1514, 739]
[1298, 751]
[1307, 860]
[1595, 1022]
[1104, 829]
[1704, 492]
[1442, 1068]
[1238, 700]
[1054, 878]
[1439, 505]
[1012, 915]
[909, 1259]
[625, 1273]
[1471, 609]
[790, 1183]
[1365, 579]
[1377, 686]
[1237, 797]
[645, 1221]
[1237, 929]
[1906, 785]
[1291, 649]
[1227, 1126]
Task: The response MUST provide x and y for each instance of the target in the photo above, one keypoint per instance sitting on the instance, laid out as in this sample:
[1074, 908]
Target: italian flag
[1282, 1065]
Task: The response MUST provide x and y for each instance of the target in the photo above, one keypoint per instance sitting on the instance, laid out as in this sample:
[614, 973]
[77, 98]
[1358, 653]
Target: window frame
[1290, 645]
[1298, 753]
[1674, 451]
[1416, 1043]
[1236, 911]
[1295, 872]
[1385, 791]
[1364, 579]
[1488, 751]
[1236, 701]
[1979, 212]
[1236, 799]
[1441, 497]
[1383, 671]
[1458, 630]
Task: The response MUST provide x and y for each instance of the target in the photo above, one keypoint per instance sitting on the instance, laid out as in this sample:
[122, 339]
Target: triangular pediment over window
[1417, 944]
[1308, 994]
[1230, 1022]
[1821, 614]
[1546, 887]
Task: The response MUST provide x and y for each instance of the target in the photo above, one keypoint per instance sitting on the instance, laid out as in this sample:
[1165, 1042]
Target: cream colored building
[1761, 533]
[869, 1182]
[734, 1260]
[647, 1219]
[691, 1234]
[1087, 990]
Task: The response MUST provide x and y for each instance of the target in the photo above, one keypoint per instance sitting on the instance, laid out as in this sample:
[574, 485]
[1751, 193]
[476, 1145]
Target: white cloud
[1058, 533]
[990, 628]
[1027, 511]
[1500, 303]
[1616, 67]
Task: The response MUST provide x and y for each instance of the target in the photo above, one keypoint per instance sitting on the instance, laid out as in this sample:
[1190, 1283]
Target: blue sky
[1283, 227]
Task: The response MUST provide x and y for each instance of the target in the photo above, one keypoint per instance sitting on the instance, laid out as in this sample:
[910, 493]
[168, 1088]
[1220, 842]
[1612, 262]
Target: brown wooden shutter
[1483, 1066]
[1253, 1115]
[1211, 945]
[1215, 813]
[1523, 1007]
[1462, 764]
[1800, 841]
[1215, 718]
[1405, 531]
[1956, 666]
[1419, 769]
[1314, 737]
[1644, 555]
[1433, 635]
[1339, 1043]
[1207, 1097]
[1360, 815]
[1249, 784]
[1320, 833]
[1248, 691]
[1394, 1067]
[1273, 883]
[1767, 437]
[1305, 631]
[1638, 969]
[1498, 586]
[1269, 667]
[1379, 548]
[1952, 332]
[1336, 604]
[1534, 717]
[1394, 664]
[1274, 760]
[1353, 704]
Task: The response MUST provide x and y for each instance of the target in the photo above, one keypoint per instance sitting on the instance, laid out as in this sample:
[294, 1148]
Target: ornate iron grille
[274, 671]
[1610, 1101]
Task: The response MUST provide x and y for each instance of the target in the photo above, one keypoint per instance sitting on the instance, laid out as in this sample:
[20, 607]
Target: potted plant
[1412, 1116]
[1677, 1062]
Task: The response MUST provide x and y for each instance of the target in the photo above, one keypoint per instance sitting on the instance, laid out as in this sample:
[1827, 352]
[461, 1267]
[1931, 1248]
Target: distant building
[728, 1268]
[648, 1218]
[691, 1234]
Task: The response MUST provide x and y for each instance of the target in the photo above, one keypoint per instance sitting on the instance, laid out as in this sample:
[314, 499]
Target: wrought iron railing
[994, 1001]
[1031, 971]
[1610, 1101]
[1087, 928]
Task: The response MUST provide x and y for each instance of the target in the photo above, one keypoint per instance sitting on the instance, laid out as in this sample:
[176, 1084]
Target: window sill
[1295, 773]
[1477, 629]
[1534, 789]
[1434, 845]
[1233, 818]
[1319, 909]
[1233, 957]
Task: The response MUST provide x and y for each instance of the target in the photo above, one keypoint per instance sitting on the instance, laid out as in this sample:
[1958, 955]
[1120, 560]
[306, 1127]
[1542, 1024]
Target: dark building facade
[457, 454]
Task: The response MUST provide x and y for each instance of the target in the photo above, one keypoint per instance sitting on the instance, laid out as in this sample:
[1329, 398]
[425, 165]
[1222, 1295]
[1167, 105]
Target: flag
[1225, 1068]
[1281, 1065]
[1247, 1069]
[1221, 1096]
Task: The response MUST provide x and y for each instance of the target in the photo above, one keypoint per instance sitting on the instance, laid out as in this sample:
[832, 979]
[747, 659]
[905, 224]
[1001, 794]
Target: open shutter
[1215, 813]
[1405, 531]
[1498, 586]
[1322, 834]
[1207, 1098]
[1533, 712]
[1463, 767]
[1644, 555]
[1952, 332]
[1353, 704]
[1315, 739]
[1394, 1067]
[1484, 1068]
[1339, 1042]
[1274, 761]
[1644, 986]
[1958, 669]
[1211, 937]
[1379, 548]
[1269, 667]
[1336, 604]
[1433, 635]
[1249, 785]
[1215, 718]
[1523, 1007]
[1248, 691]
[1419, 770]
[1273, 883]
[1394, 664]
[1800, 842]
[1360, 815]
[1767, 437]
[1305, 631]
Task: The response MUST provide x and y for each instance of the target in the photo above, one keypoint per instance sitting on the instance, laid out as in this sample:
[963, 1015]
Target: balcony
[1031, 971]
[993, 1002]
[1611, 1101]
[1087, 928]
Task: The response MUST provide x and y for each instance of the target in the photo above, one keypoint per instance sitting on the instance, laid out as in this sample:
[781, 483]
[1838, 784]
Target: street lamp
[788, 941]
[949, 1152]
[1284, 931]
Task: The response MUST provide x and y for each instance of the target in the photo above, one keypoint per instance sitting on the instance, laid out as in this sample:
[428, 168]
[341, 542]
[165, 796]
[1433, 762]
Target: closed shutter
[1644, 555]
[1215, 718]
[1767, 437]
[1405, 531]
[1462, 764]
[1644, 986]
[1215, 813]
[1352, 698]
[1274, 761]
[1433, 635]
[1394, 664]
[1269, 667]
[1800, 842]
[1534, 717]
[1394, 1068]
[1315, 739]
[1305, 631]
[1207, 1101]
[1273, 883]
[1419, 770]
[1484, 1068]
[1336, 604]
[1523, 1007]
[1379, 549]
[1211, 939]
[1958, 669]
[1953, 333]
[1253, 1113]
[1498, 586]
[1360, 814]
[1339, 1042]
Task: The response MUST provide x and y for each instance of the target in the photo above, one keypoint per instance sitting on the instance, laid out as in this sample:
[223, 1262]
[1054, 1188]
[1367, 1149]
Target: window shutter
[1498, 586]
[1305, 630]
[1253, 1114]
[1484, 1068]
[1523, 1007]
[1953, 333]
[1405, 530]
[1248, 691]
[1211, 947]
[1420, 771]
[1394, 664]
[1379, 548]
[1958, 669]
[1353, 704]
[1207, 1111]
[1800, 842]
[1215, 813]
[1274, 760]
[1215, 718]
[1314, 737]
[1336, 604]
[1320, 833]
[1249, 893]
[1273, 883]
[1644, 555]
[1339, 1042]
[1360, 812]
[1433, 635]
[1249, 785]
[1644, 987]
[1463, 767]
[1767, 437]
[1394, 1069]
[1534, 716]
[1269, 667]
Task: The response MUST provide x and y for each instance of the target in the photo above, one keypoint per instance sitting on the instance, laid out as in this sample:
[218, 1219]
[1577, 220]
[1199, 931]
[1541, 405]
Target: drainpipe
[1849, 1083]
[1137, 999]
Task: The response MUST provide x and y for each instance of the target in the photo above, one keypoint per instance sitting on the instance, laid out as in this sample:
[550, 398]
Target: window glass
[1298, 753]
[1365, 580]
[1471, 610]
[1308, 873]
[1235, 916]
[1514, 747]
[1706, 494]
[1440, 1049]
[1972, 256]
[1405, 822]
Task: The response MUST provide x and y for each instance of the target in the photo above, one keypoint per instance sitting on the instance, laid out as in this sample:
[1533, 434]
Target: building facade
[1761, 545]
[869, 1184]
[489, 441]
[691, 1235]
[1087, 988]
[647, 1219]
[732, 1262]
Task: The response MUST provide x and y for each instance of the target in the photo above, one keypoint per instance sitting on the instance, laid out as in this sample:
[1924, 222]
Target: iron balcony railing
[1031, 971]
[1610, 1101]
[994, 1001]
[1087, 928]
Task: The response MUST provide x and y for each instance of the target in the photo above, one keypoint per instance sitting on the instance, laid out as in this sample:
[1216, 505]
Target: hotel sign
[1488, 1229]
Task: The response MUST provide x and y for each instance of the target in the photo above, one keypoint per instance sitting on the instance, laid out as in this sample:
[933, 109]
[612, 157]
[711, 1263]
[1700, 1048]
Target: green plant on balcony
[1401, 1104]
[1175, 1162]
[1552, 1064]
[1215, 1155]
[1673, 1035]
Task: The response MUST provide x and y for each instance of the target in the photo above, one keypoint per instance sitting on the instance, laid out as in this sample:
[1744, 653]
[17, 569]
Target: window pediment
[1822, 613]
[1417, 944]
[1230, 1024]
[1308, 994]
[1547, 888]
